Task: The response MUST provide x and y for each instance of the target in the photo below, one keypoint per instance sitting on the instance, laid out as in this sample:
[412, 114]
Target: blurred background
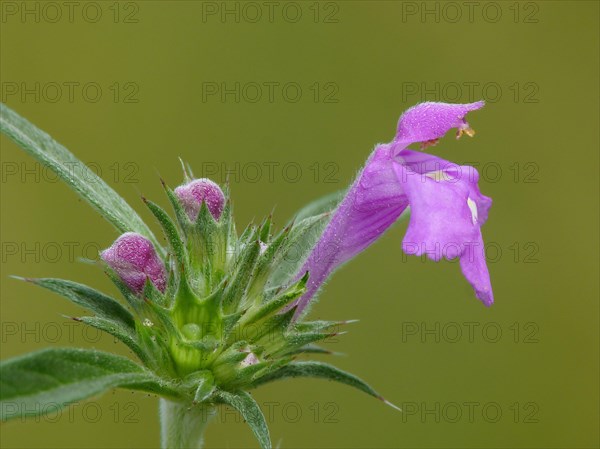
[289, 98]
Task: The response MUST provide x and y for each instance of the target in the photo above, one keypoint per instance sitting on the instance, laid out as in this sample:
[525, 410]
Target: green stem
[182, 425]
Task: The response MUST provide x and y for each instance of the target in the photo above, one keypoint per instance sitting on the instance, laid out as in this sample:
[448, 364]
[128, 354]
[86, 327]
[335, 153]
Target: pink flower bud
[134, 259]
[195, 192]
[250, 360]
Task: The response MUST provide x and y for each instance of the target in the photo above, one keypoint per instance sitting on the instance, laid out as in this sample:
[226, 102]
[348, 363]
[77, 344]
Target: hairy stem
[182, 425]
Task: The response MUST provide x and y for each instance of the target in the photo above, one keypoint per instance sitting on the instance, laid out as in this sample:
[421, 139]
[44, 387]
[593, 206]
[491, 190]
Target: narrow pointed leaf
[320, 326]
[326, 203]
[279, 302]
[248, 234]
[50, 379]
[205, 386]
[317, 370]
[73, 172]
[169, 229]
[265, 264]
[233, 294]
[274, 327]
[251, 412]
[102, 305]
[298, 340]
[311, 349]
[125, 336]
[301, 239]
[180, 213]
[133, 301]
[265, 229]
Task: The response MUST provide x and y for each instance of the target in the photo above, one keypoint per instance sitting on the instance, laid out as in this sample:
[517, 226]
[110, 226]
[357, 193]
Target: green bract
[223, 325]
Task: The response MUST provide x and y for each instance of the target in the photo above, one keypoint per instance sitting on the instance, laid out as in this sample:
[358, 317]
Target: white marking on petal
[473, 206]
[438, 175]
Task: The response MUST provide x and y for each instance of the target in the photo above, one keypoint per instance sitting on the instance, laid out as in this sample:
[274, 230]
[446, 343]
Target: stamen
[466, 130]
[429, 143]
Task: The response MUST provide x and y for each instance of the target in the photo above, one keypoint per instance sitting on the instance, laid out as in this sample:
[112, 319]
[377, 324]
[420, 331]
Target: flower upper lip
[431, 120]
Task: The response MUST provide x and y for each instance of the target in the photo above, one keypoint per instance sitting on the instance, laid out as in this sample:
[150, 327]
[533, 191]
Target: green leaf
[267, 264]
[72, 171]
[265, 229]
[311, 349]
[169, 229]
[133, 301]
[298, 340]
[320, 206]
[248, 234]
[211, 236]
[125, 336]
[50, 379]
[180, 213]
[234, 292]
[318, 370]
[293, 341]
[82, 295]
[250, 411]
[273, 329]
[299, 242]
[205, 385]
[279, 302]
[321, 325]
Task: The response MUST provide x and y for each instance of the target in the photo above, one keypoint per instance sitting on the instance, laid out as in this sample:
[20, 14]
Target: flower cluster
[209, 311]
[219, 308]
[217, 313]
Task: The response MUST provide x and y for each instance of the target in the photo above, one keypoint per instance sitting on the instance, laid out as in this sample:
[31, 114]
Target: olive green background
[538, 143]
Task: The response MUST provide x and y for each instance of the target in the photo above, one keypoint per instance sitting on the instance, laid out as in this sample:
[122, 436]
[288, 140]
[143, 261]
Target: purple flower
[201, 190]
[134, 259]
[447, 208]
